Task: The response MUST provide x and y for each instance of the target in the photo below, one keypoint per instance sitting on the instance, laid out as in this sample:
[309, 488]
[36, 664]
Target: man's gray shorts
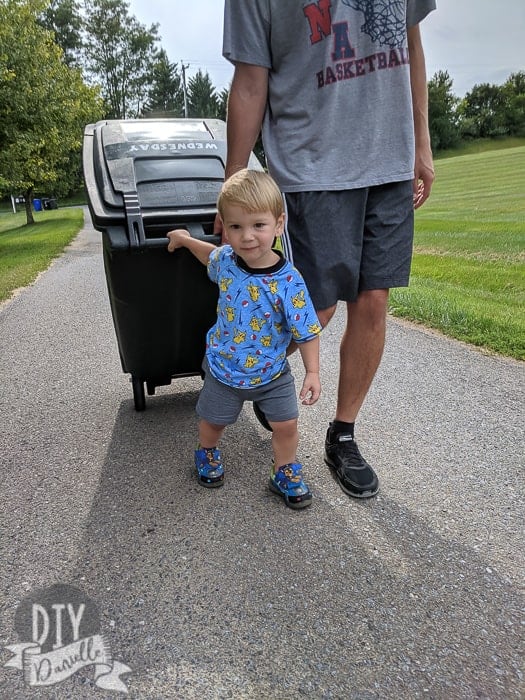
[221, 404]
[348, 241]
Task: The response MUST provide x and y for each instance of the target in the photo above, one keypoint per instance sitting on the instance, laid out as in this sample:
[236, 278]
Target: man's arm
[246, 108]
[423, 167]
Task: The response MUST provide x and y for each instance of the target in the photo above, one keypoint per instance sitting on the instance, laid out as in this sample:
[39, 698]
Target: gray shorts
[221, 404]
[345, 242]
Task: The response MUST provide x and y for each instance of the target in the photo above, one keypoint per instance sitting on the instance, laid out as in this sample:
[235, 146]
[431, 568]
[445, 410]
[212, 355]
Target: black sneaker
[353, 473]
[259, 414]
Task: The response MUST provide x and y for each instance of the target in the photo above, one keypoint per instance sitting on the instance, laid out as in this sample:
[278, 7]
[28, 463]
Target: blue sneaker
[209, 467]
[288, 482]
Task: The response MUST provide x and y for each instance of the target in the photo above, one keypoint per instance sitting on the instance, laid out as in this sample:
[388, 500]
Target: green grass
[27, 250]
[481, 146]
[468, 272]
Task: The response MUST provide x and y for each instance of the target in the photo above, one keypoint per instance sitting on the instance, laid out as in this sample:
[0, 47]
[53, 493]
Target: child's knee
[284, 428]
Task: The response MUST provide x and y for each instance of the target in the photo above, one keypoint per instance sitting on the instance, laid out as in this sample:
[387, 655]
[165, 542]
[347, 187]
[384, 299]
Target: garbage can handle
[196, 230]
[136, 233]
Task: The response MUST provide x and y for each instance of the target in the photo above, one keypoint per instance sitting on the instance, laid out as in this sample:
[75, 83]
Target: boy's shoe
[209, 467]
[259, 414]
[355, 476]
[288, 482]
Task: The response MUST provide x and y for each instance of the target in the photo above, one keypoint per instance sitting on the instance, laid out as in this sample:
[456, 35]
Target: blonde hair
[253, 190]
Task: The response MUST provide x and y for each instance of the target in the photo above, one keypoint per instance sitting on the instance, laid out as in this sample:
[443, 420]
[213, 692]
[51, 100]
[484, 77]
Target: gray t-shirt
[339, 113]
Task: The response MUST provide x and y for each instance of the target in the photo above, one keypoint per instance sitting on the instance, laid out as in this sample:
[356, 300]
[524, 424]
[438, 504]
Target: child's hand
[176, 238]
[311, 389]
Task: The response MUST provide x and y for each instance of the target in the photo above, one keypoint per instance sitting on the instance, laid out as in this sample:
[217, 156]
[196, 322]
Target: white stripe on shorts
[285, 237]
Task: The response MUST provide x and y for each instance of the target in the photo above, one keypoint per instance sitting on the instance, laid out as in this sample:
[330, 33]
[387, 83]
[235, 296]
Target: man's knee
[373, 302]
[369, 310]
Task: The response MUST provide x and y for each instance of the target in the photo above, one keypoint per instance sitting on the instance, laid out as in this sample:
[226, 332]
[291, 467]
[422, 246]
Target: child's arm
[180, 238]
[311, 388]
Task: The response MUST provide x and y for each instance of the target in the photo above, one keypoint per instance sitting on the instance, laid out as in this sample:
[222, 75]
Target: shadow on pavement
[227, 593]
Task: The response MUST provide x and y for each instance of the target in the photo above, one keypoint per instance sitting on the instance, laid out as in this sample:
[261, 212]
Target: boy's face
[251, 235]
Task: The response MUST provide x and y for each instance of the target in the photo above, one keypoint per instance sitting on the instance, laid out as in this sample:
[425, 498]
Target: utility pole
[184, 89]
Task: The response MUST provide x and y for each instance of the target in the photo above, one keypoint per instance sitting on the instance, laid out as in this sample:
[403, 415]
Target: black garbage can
[143, 178]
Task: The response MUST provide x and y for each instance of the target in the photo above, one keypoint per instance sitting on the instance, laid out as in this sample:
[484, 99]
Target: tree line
[486, 111]
[66, 63]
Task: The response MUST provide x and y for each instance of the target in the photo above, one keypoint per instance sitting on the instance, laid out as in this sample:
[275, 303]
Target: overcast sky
[476, 41]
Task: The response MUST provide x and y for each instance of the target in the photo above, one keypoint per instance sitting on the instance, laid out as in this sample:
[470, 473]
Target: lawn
[468, 272]
[27, 250]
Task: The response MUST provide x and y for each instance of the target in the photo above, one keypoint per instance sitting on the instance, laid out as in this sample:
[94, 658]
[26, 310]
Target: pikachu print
[254, 291]
[259, 313]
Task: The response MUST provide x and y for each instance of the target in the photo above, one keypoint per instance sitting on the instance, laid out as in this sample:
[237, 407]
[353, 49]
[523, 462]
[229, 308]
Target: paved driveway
[226, 593]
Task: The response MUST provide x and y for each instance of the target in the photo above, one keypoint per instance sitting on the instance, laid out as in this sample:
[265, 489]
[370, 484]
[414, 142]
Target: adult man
[345, 131]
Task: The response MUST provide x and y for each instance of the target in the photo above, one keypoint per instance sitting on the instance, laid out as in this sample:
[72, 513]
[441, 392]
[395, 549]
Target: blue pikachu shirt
[259, 312]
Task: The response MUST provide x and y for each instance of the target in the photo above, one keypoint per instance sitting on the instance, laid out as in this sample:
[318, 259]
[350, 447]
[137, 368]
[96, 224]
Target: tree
[202, 98]
[442, 117]
[44, 104]
[119, 54]
[483, 111]
[514, 92]
[63, 18]
[165, 95]
[222, 102]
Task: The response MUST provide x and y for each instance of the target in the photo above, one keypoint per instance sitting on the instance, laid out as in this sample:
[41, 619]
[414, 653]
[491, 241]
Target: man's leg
[361, 350]
[360, 354]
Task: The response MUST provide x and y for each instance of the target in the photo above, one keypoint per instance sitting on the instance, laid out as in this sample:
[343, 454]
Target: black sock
[338, 426]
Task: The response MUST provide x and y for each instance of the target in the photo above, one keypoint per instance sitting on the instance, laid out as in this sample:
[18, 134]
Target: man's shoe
[259, 414]
[355, 476]
[288, 482]
[209, 467]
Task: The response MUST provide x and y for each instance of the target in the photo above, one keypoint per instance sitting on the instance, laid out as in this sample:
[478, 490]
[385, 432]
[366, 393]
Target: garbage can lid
[171, 164]
[167, 167]
[169, 129]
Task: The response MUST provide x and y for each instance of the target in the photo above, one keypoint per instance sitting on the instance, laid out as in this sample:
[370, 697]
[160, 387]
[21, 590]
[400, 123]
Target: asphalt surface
[226, 593]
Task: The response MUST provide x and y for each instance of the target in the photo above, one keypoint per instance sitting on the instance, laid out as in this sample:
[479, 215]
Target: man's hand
[423, 180]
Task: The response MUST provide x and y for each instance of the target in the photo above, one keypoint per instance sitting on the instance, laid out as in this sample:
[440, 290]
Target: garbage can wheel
[138, 394]
[150, 388]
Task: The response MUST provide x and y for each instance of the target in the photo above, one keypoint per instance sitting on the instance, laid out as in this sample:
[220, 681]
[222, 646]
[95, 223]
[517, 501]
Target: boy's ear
[280, 225]
[218, 228]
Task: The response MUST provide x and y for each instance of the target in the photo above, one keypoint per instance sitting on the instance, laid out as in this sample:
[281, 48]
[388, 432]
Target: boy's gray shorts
[221, 404]
[344, 242]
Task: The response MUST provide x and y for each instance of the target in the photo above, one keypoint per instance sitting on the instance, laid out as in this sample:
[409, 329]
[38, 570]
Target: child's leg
[209, 433]
[207, 456]
[286, 479]
[285, 439]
